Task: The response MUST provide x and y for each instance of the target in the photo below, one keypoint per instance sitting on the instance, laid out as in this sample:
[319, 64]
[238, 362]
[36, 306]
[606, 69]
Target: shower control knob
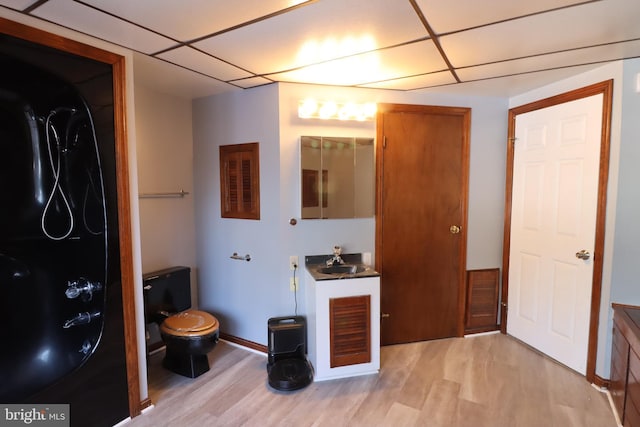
[86, 347]
[82, 287]
[72, 292]
[82, 319]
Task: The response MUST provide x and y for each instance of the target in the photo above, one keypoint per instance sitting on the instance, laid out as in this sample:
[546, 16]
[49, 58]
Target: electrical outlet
[293, 284]
[293, 262]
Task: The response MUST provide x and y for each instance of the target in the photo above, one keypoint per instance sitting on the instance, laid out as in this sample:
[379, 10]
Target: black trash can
[287, 365]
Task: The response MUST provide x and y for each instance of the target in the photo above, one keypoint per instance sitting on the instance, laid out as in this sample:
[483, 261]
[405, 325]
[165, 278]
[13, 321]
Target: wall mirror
[337, 177]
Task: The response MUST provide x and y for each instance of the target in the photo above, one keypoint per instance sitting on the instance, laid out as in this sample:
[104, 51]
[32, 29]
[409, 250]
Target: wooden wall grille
[482, 300]
[240, 181]
[350, 330]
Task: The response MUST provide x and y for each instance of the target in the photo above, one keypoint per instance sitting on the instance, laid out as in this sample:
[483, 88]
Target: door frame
[464, 112]
[606, 89]
[117, 62]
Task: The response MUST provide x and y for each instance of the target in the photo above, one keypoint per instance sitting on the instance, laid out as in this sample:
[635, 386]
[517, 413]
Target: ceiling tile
[170, 79]
[322, 31]
[415, 82]
[17, 4]
[87, 20]
[203, 63]
[599, 54]
[370, 67]
[510, 86]
[252, 82]
[590, 24]
[447, 16]
[189, 19]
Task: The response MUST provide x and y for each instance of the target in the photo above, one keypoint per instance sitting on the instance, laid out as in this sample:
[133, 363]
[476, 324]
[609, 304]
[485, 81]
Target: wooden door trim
[465, 113]
[122, 176]
[606, 89]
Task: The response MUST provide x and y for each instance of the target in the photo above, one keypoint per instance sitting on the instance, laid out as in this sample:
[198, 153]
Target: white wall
[626, 251]
[165, 165]
[244, 295]
[238, 293]
[606, 72]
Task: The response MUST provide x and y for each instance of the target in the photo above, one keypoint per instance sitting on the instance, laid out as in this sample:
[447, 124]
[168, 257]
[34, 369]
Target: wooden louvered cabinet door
[350, 330]
[240, 181]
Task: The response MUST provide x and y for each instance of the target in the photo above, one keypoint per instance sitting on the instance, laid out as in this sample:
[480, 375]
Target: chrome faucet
[335, 259]
[82, 319]
[82, 288]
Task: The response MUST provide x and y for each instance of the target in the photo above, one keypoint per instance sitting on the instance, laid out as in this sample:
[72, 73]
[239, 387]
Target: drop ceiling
[488, 47]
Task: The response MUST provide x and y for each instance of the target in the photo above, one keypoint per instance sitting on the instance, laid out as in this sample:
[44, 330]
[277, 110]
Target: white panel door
[554, 203]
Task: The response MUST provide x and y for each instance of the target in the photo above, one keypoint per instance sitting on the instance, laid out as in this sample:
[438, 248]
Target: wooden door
[553, 218]
[423, 162]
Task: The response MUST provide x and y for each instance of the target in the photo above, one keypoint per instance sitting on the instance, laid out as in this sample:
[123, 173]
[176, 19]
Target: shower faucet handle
[82, 319]
[82, 287]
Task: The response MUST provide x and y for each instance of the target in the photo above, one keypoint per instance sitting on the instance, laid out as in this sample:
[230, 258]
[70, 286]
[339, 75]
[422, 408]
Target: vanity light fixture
[330, 110]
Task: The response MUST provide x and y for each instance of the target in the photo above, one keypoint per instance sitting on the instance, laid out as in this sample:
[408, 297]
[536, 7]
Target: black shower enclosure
[61, 305]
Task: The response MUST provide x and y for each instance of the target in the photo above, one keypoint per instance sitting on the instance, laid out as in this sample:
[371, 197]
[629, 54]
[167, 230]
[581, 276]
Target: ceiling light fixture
[331, 110]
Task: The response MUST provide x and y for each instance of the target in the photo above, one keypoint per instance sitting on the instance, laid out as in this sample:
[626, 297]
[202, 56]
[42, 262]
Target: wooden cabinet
[625, 364]
[619, 368]
[343, 326]
[632, 399]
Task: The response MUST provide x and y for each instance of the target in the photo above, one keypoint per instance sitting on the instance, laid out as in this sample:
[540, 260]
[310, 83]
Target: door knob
[454, 229]
[583, 254]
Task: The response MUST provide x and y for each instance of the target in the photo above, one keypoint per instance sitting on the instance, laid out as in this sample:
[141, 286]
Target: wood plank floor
[490, 380]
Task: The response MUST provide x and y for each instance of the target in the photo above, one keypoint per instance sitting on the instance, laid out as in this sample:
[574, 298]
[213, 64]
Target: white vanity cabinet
[343, 326]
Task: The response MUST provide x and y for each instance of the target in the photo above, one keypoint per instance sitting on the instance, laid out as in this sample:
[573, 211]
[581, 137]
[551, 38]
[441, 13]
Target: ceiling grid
[405, 45]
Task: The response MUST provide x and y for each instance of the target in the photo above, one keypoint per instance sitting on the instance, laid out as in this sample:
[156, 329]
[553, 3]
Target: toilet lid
[190, 321]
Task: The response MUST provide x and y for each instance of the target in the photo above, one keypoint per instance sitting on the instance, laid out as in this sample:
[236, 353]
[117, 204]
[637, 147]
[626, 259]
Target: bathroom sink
[341, 269]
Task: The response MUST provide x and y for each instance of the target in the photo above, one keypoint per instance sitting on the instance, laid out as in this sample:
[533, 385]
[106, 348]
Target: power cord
[295, 289]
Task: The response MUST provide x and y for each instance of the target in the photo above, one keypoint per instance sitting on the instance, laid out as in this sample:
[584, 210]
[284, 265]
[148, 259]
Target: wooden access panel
[350, 330]
[482, 300]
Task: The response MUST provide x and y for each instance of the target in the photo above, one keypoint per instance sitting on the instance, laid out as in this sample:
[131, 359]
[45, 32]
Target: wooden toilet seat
[190, 323]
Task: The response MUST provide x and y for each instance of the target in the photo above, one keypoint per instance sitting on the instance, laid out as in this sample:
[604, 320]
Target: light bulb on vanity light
[307, 108]
[326, 110]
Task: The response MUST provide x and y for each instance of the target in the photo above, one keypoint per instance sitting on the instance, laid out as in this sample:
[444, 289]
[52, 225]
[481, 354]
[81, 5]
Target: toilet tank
[166, 291]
